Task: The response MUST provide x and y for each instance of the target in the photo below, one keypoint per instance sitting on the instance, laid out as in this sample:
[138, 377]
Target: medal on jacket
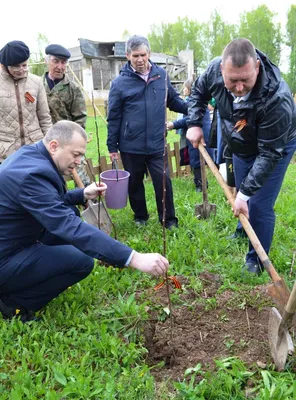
[29, 97]
[239, 125]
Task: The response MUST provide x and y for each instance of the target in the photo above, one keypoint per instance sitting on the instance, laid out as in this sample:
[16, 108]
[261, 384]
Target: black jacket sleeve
[174, 101]
[198, 101]
[273, 127]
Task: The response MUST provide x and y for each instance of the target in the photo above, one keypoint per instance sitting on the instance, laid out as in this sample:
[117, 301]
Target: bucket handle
[115, 166]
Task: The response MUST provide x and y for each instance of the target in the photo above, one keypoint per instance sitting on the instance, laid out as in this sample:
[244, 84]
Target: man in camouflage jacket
[65, 98]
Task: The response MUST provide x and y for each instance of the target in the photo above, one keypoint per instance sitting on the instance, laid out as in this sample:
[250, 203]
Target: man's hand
[195, 136]
[151, 263]
[113, 156]
[240, 206]
[94, 190]
[169, 126]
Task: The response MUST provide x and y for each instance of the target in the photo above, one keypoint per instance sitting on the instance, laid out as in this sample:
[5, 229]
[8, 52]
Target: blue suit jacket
[33, 199]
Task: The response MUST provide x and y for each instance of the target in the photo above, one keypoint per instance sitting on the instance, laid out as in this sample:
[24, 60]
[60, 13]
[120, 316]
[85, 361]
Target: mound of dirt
[206, 327]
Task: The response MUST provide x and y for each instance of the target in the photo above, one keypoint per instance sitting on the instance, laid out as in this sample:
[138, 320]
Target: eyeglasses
[19, 68]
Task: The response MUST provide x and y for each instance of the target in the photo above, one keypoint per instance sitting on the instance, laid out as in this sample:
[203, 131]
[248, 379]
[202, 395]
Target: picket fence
[173, 163]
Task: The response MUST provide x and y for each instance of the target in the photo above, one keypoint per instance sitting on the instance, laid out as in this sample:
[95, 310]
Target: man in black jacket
[258, 119]
[136, 122]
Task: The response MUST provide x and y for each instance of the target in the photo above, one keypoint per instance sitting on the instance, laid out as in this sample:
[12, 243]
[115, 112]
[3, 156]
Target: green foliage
[37, 65]
[258, 26]
[218, 34]
[209, 39]
[233, 381]
[291, 42]
[227, 383]
[170, 38]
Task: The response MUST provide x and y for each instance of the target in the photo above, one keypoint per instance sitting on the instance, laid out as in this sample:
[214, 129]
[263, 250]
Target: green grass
[89, 343]
[92, 148]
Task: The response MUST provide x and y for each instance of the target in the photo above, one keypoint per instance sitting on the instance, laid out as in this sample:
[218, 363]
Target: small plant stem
[248, 321]
[201, 339]
[164, 204]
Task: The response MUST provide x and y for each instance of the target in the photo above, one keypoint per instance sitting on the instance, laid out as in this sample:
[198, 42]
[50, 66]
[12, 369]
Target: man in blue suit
[44, 246]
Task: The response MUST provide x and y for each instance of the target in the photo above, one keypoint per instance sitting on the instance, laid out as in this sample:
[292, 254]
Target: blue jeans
[193, 152]
[261, 212]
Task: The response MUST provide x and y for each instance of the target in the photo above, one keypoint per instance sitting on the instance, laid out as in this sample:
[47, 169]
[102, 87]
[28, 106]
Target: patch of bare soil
[206, 327]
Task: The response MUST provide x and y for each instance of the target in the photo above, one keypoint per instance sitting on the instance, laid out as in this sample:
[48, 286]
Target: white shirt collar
[241, 98]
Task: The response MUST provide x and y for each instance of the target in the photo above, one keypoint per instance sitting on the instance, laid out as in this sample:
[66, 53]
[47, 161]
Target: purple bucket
[117, 187]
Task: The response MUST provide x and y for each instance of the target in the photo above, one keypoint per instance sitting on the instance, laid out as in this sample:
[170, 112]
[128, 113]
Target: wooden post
[177, 158]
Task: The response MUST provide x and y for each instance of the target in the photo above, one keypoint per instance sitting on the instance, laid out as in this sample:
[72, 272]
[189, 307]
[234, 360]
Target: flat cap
[57, 50]
[14, 52]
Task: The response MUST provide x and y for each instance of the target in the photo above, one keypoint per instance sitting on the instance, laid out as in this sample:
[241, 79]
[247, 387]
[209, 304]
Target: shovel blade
[279, 293]
[91, 216]
[280, 341]
[204, 210]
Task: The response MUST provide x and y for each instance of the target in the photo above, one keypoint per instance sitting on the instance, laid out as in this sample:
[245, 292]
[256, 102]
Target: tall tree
[126, 35]
[217, 35]
[184, 34]
[291, 42]
[37, 58]
[258, 26]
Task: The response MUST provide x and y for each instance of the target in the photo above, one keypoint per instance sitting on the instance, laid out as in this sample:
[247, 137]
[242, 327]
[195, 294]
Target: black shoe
[252, 268]
[18, 311]
[171, 225]
[238, 234]
[140, 222]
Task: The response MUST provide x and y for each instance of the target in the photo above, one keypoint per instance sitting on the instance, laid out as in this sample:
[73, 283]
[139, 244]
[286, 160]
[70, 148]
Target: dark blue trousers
[44, 271]
[137, 165]
[193, 152]
[261, 204]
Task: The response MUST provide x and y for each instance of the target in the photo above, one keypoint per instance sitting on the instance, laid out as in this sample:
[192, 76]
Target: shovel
[280, 341]
[278, 290]
[95, 214]
[77, 179]
[204, 210]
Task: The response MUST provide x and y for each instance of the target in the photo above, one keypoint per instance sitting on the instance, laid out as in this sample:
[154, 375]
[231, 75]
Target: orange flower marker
[172, 278]
[29, 97]
[240, 125]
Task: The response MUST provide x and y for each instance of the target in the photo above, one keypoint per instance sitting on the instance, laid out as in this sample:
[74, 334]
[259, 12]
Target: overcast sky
[64, 22]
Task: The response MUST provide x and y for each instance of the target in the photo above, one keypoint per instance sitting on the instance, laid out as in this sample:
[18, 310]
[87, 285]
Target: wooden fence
[173, 164]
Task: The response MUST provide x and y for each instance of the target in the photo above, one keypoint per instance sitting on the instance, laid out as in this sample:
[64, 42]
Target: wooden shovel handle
[203, 178]
[291, 305]
[245, 223]
[77, 179]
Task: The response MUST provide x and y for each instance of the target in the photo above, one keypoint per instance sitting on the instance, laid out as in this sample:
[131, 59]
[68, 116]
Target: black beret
[14, 52]
[57, 50]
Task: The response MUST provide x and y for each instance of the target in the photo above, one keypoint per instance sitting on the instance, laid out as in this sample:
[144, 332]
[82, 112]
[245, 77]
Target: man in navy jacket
[44, 246]
[136, 123]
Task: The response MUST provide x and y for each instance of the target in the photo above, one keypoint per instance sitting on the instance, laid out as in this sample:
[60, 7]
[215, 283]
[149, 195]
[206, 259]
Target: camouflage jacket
[66, 101]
